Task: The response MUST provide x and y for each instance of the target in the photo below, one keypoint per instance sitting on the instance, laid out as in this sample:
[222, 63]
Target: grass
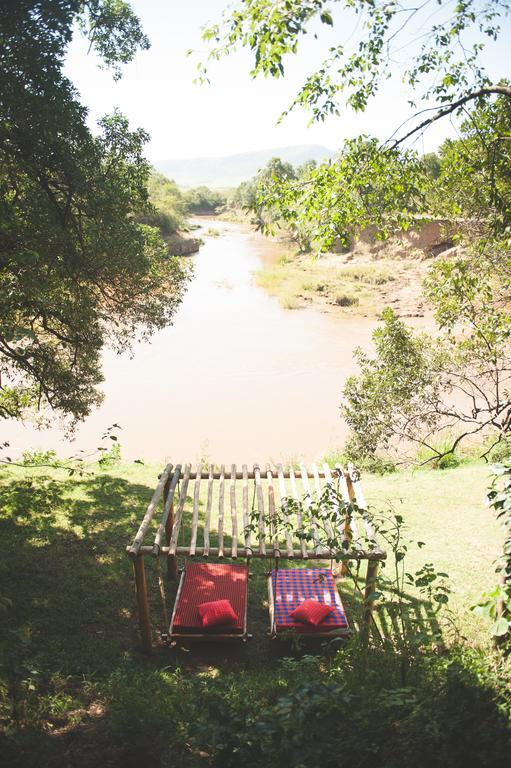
[298, 280]
[74, 688]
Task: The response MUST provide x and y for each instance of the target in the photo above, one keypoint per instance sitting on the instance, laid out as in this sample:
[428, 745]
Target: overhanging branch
[489, 90]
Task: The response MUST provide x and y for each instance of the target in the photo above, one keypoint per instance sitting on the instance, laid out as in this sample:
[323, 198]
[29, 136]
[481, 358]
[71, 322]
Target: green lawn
[446, 509]
[74, 687]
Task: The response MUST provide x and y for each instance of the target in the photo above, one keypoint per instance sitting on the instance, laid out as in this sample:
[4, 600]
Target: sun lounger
[289, 588]
[205, 582]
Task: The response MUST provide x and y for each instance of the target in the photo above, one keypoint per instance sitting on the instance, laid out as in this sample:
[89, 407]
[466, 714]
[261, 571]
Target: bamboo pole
[168, 503]
[370, 588]
[221, 513]
[260, 507]
[246, 520]
[271, 512]
[294, 491]
[283, 501]
[308, 503]
[180, 510]
[144, 620]
[195, 514]
[207, 519]
[350, 525]
[146, 522]
[234, 514]
[322, 554]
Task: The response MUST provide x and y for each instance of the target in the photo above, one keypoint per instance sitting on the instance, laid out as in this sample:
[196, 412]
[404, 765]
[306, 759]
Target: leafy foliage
[76, 269]
[203, 200]
[169, 205]
[443, 60]
[327, 205]
[496, 605]
[418, 387]
[475, 177]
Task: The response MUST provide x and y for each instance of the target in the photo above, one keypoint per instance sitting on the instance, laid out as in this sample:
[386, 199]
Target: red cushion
[216, 612]
[311, 612]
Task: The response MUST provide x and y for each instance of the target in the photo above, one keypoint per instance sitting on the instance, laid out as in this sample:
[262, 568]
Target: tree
[475, 170]
[429, 45]
[329, 203]
[416, 389]
[433, 47]
[76, 269]
[168, 202]
[203, 200]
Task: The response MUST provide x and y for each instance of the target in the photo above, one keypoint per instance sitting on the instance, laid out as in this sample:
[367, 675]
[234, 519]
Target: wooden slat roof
[229, 513]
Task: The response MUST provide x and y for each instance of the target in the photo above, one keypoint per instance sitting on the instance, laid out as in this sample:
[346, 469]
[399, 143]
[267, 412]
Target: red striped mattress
[203, 582]
[292, 586]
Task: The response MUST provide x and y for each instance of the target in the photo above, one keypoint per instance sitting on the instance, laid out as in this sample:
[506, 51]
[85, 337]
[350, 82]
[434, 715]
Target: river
[236, 378]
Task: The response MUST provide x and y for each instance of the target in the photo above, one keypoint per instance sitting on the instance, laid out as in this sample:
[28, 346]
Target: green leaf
[500, 628]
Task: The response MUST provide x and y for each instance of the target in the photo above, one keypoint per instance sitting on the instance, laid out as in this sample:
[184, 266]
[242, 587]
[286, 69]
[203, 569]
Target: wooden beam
[323, 554]
[207, 519]
[370, 587]
[283, 502]
[180, 511]
[195, 513]
[271, 512]
[260, 508]
[308, 503]
[294, 491]
[221, 513]
[134, 549]
[246, 519]
[251, 474]
[168, 504]
[144, 620]
[234, 514]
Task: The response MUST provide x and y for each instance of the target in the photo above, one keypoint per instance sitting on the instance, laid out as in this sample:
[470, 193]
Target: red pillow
[216, 612]
[311, 612]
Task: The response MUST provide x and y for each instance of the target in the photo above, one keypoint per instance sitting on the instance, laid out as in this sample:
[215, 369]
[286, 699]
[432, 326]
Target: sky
[234, 113]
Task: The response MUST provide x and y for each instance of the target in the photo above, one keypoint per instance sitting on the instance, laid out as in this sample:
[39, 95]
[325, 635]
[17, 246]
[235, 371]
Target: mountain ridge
[231, 170]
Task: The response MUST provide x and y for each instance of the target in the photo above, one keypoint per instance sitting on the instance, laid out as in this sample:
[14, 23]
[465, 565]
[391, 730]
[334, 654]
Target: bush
[345, 300]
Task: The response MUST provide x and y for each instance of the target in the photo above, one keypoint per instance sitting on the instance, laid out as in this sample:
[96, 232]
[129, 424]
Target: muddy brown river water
[236, 378]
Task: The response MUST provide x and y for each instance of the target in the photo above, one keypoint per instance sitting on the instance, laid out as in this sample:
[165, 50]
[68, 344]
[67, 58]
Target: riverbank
[75, 690]
[359, 282]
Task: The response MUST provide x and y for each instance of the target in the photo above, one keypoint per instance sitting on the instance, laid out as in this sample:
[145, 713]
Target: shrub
[346, 300]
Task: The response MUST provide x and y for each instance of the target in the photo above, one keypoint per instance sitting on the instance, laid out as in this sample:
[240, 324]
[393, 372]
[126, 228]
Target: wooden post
[169, 524]
[142, 603]
[348, 533]
[172, 571]
[371, 577]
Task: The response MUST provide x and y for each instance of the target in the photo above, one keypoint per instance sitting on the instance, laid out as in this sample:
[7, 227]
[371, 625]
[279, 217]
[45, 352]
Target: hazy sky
[234, 113]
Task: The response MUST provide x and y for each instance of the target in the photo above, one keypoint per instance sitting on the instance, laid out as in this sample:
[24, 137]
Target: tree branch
[502, 90]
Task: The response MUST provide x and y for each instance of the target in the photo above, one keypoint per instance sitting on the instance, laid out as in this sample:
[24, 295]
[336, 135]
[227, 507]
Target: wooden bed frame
[232, 491]
[295, 631]
[175, 637]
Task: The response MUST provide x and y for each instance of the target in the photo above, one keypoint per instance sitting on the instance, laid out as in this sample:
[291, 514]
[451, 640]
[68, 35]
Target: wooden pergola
[210, 512]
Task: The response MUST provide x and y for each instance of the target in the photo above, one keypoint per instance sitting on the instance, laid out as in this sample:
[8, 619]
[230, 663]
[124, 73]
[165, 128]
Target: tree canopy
[417, 389]
[77, 269]
[434, 47]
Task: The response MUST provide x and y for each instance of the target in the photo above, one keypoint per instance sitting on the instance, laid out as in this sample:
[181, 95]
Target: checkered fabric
[292, 586]
[205, 582]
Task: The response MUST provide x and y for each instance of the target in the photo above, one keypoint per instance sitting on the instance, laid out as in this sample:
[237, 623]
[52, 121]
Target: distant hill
[231, 170]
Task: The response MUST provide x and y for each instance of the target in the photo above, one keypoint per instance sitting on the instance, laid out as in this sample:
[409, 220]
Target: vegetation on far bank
[357, 283]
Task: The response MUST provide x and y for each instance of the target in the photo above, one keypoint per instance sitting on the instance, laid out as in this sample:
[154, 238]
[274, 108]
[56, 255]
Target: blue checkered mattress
[292, 586]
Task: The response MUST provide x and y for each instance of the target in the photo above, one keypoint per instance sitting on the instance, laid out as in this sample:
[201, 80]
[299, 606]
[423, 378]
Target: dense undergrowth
[76, 691]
